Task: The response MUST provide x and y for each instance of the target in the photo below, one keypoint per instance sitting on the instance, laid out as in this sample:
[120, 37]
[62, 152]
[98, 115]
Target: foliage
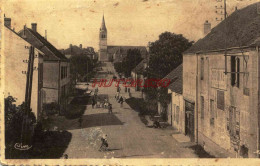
[14, 120]
[118, 67]
[166, 53]
[51, 108]
[163, 97]
[132, 59]
[80, 65]
[74, 111]
[165, 56]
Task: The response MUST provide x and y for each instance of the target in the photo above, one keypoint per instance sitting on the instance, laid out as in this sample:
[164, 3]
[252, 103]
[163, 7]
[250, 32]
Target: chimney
[207, 27]
[34, 27]
[70, 48]
[8, 22]
[80, 46]
[46, 34]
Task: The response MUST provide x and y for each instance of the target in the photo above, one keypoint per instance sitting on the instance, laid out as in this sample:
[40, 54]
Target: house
[176, 115]
[74, 50]
[137, 72]
[221, 87]
[56, 67]
[16, 57]
[174, 108]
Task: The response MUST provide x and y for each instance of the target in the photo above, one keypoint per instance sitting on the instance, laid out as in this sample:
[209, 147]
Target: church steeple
[103, 25]
[103, 41]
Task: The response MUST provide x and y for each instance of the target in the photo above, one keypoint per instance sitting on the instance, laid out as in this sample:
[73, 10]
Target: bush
[74, 111]
[51, 108]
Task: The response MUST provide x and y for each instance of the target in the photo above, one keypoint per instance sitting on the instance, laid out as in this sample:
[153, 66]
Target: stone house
[137, 73]
[221, 86]
[176, 115]
[56, 67]
[16, 56]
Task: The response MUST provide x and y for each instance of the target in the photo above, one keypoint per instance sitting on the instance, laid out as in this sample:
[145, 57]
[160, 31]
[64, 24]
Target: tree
[80, 66]
[14, 120]
[165, 56]
[166, 53]
[132, 59]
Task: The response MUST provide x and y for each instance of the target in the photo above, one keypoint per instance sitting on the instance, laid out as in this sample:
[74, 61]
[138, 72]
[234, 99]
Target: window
[235, 69]
[202, 107]
[61, 72]
[220, 100]
[212, 113]
[238, 70]
[64, 71]
[202, 68]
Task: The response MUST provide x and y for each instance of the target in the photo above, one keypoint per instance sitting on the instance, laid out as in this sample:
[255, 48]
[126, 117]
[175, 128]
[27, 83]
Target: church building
[114, 53]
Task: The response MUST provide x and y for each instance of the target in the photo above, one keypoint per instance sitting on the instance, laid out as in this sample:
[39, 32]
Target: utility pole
[221, 10]
[25, 143]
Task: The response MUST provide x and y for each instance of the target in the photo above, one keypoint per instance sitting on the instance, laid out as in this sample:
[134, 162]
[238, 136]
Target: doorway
[189, 120]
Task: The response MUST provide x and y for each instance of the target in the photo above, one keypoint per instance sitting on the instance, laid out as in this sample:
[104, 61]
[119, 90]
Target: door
[189, 120]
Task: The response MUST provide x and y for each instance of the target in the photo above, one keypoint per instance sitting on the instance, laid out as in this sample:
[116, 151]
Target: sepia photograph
[130, 82]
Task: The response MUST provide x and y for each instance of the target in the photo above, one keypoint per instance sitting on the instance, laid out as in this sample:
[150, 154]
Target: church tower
[103, 42]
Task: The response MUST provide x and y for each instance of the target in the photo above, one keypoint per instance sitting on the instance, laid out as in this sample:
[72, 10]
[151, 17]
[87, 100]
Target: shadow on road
[86, 100]
[201, 152]
[100, 119]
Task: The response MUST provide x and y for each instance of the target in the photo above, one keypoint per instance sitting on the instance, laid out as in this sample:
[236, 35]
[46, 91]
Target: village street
[127, 135]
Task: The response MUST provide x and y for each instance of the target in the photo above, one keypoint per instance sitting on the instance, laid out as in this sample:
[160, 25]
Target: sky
[129, 22]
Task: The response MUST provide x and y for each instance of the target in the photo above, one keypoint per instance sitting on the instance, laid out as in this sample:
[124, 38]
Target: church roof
[241, 28]
[103, 25]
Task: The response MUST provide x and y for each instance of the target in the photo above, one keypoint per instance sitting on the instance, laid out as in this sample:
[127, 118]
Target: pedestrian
[117, 96]
[105, 103]
[93, 102]
[110, 108]
[121, 100]
[104, 143]
[125, 89]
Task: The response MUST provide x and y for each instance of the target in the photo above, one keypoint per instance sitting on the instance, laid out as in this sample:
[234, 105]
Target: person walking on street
[110, 108]
[117, 96]
[121, 100]
[93, 102]
[104, 143]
